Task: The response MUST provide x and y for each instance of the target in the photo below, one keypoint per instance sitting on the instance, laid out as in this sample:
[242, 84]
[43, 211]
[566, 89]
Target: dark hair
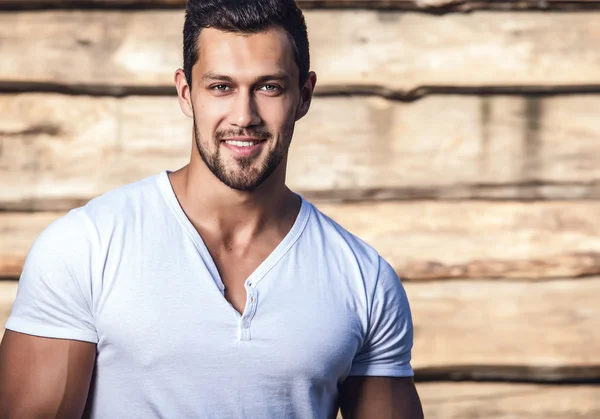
[244, 16]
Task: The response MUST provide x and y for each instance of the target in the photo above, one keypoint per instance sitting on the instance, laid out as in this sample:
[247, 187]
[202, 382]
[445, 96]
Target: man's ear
[184, 94]
[306, 94]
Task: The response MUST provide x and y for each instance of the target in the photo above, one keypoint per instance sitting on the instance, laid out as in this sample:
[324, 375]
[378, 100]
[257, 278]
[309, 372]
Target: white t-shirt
[129, 272]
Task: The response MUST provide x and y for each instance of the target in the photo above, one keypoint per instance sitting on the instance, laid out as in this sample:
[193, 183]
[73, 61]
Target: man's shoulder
[123, 201]
[338, 237]
[112, 211]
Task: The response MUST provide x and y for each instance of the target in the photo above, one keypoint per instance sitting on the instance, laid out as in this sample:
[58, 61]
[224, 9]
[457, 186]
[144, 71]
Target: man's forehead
[268, 52]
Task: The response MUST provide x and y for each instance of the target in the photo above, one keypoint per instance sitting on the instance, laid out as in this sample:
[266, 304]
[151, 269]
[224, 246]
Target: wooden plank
[394, 52]
[509, 400]
[428, 5]
[61, 137]
[497, 330]
[431, 240]
[58, 151]
[543, 331]
[426, 240]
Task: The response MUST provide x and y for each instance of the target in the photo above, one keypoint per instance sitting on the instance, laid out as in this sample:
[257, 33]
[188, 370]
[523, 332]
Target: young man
[213, 291]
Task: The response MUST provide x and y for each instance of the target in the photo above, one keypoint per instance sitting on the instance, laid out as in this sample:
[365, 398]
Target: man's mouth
[239, 143]
[243, 146]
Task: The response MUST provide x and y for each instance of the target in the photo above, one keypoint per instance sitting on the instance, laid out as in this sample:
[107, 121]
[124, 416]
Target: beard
[245, 175]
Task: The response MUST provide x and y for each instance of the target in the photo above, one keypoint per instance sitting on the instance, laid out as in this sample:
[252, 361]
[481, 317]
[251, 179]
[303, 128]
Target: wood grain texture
[426, 240]
[506, 400]
[58, 138]
[423, 5]
[495, 330]
[502, 401]
[58, 151]
[516, 330]
[351, 50]
[431, 240]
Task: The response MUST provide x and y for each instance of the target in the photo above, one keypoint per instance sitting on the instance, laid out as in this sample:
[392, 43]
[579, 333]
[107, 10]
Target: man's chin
[242, 180]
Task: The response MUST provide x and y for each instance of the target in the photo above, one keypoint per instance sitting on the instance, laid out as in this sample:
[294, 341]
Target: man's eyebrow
[277, 76]
[221, 77]
[216, 77]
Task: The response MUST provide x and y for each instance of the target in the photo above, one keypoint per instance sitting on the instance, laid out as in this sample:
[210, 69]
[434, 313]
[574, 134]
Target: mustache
[254, 132]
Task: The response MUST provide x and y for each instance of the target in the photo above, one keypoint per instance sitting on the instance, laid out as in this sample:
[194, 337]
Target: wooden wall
[464, 146]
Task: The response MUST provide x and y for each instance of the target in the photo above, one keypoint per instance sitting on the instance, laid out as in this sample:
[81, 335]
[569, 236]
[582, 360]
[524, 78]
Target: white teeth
[242, 143]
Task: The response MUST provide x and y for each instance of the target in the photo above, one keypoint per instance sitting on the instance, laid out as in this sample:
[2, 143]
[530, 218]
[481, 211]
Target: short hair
[245, 17]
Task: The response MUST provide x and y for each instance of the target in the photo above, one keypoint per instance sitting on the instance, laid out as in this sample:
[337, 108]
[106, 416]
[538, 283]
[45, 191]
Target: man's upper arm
[48, 350]
[380, 383]
[387, 347]
[55, 291]
[44, 377]
[380, 397]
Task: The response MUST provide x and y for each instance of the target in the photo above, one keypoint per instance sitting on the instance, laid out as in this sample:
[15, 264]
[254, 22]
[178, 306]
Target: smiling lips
[239, 143]
[243, 146]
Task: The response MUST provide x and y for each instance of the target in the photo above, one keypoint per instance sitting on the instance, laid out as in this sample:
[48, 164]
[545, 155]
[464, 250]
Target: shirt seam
[371, 302]
[257, 276]
[95, 248]
[20, 325]
[168, 194]
[373, 369]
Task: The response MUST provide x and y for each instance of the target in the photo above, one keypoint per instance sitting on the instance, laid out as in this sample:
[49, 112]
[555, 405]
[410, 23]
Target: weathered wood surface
[504, 401]
[58, 151]
[49, 141]
[543, 331]
[433, 240]
[425, 5]
[395, 52]
[496, 330]
[427, 240]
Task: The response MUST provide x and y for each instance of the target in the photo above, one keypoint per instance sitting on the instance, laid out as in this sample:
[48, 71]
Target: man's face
[245, 97]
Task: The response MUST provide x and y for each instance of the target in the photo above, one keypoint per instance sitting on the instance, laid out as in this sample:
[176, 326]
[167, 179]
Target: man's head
[245, 83]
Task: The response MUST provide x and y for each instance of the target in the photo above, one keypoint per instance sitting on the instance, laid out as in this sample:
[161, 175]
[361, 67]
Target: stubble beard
[244, 177]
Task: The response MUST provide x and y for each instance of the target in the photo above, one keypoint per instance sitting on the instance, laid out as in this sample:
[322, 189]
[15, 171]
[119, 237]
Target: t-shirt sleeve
[386, 350]
[54, 294]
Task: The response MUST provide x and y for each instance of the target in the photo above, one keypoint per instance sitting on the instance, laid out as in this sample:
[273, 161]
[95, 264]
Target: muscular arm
[380, 397]
[44, 378]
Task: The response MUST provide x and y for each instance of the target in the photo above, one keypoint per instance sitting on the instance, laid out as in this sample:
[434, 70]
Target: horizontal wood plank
[351, 50]
[507, 400]
[495, 330]
[424, 5]
[434, 240]
[58, 151]
[428, 240]
[514, 330]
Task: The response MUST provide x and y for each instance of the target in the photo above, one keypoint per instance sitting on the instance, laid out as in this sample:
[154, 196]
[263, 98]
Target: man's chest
[179, 321]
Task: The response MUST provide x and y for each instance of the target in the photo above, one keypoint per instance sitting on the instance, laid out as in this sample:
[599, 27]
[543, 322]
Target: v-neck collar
[275, 256]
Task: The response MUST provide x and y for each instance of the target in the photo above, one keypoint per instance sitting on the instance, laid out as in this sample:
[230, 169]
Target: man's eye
[220, 87]
[270, 87]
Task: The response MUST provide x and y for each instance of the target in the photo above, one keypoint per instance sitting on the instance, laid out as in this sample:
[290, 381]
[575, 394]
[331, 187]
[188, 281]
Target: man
[213, 291]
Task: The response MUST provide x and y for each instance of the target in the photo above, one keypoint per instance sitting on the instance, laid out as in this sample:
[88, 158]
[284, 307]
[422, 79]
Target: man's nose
[244, 112]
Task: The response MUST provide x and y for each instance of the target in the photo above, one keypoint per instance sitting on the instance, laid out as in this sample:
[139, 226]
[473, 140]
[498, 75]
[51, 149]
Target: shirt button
[246, 324]
[251, 299]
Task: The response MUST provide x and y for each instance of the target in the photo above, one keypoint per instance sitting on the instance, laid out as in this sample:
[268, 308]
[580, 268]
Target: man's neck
[237, 216]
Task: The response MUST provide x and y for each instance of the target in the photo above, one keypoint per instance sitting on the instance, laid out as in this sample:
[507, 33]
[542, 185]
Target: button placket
[252, 302]
[246, 320]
